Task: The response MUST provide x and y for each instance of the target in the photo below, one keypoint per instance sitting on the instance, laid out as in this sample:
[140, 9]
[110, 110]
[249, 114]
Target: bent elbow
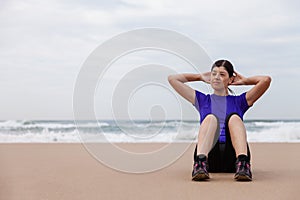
[170, 78]
[268, 80]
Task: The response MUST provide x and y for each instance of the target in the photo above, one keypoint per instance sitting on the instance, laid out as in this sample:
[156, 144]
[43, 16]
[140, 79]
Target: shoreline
[69, 171]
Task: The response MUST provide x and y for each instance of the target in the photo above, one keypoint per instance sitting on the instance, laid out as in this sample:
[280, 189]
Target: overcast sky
[43, 45]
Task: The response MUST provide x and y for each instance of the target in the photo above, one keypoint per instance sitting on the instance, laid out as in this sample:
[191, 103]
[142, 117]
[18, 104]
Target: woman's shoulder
[239, 99]
[234, 96]
[202, 95]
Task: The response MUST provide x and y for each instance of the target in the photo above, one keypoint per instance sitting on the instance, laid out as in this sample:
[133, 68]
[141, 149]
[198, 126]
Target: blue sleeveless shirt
[222, 107]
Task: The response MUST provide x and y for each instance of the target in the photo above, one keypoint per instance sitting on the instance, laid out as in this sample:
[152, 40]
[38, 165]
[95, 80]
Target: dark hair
[226, 64]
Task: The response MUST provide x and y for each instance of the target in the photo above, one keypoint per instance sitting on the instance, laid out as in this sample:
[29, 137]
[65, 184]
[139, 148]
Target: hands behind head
[205, 77]
[238, 79]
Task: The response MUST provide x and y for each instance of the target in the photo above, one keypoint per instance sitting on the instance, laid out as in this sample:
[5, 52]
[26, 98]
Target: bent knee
[211, 118]
[233, 118]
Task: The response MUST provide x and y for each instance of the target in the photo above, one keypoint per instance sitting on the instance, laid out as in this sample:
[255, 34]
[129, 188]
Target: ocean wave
[276, 132]
[74, 137]
[15, 131]
[43, 137]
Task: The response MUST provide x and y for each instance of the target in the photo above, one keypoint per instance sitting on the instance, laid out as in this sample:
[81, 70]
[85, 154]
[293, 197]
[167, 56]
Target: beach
[68, 171]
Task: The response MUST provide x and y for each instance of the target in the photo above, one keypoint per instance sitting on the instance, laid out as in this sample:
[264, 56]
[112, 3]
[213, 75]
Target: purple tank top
[222, 107]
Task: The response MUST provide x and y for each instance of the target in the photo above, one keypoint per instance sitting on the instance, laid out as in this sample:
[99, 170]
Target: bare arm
[177, 81]
[261, 84]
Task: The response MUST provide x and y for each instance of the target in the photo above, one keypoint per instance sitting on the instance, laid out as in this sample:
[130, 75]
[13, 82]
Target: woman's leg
[207, 134]
[238, 135]
[238, 141]
[206, 140]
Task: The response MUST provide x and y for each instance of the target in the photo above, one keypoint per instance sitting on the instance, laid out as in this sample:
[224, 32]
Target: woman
[222, 143]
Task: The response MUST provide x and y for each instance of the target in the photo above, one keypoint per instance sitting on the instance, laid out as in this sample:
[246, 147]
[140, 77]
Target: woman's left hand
[238, 79]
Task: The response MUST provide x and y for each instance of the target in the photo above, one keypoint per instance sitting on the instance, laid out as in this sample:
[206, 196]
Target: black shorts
[222, 157]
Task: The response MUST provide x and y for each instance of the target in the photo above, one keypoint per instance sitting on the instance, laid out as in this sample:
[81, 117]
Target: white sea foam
[136, 132]
[276, 132]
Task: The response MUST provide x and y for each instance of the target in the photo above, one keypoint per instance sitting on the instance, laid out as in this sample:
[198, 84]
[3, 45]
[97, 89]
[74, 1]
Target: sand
[68, 171]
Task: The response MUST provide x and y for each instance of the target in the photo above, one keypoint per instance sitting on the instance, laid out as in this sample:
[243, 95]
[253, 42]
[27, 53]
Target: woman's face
[219, 79]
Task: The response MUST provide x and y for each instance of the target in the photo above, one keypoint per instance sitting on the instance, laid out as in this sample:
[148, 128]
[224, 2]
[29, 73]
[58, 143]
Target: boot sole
[200, 177]
[242, 177]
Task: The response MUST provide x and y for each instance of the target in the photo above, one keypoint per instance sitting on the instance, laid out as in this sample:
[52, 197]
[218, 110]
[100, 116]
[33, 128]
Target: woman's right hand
[205, 77]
